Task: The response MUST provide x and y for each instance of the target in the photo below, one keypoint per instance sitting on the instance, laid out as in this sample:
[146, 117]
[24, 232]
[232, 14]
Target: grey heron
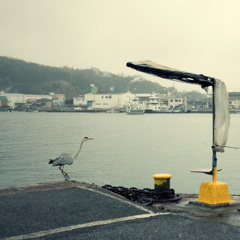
[67, 159]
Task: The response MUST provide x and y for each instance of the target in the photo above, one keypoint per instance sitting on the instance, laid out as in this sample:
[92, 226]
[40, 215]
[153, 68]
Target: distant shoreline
[109, 111]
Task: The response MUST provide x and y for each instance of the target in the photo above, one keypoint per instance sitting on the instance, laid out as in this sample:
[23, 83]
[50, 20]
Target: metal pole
[214, 156]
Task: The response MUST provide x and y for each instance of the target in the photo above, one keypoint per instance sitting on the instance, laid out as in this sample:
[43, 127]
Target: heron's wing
[170, 73]
[63, 159]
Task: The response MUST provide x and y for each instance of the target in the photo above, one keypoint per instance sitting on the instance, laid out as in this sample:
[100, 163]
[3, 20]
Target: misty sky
[189, 35]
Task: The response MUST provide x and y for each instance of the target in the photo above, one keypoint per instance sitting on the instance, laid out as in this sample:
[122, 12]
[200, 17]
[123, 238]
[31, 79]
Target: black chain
[145, 196]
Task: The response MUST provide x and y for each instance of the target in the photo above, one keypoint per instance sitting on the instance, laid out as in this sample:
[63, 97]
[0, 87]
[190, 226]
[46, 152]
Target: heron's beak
[90, 138]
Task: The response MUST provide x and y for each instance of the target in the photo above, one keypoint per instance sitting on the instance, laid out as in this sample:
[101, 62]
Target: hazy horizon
[201, 37]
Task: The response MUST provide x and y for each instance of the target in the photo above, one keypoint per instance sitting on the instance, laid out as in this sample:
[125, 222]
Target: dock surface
[73, 210]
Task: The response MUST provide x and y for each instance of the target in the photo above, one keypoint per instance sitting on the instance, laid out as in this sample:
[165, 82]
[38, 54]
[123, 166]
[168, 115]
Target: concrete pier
[73, 210]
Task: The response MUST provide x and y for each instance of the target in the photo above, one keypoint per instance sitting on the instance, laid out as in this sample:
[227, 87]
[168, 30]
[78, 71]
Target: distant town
[98, 101]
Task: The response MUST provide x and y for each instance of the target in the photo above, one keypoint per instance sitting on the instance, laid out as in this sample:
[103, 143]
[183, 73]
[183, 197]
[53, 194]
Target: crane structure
[210, 192]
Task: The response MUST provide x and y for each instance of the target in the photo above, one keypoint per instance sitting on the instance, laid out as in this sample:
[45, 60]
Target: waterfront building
[79, 101]
[234, 100]
[3, 101]
[19, 99]
[15, 99]
[174, 102]
[58, 103]
[44, 103]
[60, 97]
[106, 101]
[100, 100]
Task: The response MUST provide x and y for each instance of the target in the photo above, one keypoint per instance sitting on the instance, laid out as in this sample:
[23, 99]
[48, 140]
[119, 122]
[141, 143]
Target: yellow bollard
[214, 192]
[162, 182]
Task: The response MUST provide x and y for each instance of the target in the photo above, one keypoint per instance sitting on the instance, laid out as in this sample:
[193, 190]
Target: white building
[79, 101]
[108, 101]
[98, 100]
[19, 98]
[173, 102]
[234, 100]
[60, 97]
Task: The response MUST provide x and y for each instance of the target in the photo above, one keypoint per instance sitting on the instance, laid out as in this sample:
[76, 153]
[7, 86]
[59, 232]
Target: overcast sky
[196, 36]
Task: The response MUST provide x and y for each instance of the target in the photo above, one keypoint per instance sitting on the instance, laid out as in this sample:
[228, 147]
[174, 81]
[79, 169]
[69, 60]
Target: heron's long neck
[74, 156]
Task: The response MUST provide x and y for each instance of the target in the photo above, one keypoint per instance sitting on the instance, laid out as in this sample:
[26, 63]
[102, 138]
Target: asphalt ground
[72, 210]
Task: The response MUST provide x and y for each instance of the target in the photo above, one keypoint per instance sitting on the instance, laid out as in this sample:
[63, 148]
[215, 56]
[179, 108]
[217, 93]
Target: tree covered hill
[18, 76]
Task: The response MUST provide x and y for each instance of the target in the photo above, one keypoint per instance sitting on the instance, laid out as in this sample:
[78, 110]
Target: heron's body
[67, 159]
[62, 159]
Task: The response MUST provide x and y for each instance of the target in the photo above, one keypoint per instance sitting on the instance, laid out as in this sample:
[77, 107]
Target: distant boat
[135, 108]
[155, 106]
[179, 109]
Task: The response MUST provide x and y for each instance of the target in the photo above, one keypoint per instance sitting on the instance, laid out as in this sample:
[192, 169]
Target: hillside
[18, 76]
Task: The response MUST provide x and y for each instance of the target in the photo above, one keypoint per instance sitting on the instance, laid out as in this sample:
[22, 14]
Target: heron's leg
[64, 173]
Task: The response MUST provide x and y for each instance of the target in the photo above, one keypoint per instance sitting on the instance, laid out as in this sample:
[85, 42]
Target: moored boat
[156, 106]
[135, 108]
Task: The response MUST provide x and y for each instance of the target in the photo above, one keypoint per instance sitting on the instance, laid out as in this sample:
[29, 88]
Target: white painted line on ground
[85, 225]
[121, 199]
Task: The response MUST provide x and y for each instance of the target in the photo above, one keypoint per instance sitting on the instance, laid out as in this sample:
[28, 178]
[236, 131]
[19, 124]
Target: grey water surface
[127, 150]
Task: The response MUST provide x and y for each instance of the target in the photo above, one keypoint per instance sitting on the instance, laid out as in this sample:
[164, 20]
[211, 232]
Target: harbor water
[127, 150]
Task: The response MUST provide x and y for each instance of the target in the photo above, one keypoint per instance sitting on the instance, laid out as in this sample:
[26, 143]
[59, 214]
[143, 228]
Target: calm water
[127, 150]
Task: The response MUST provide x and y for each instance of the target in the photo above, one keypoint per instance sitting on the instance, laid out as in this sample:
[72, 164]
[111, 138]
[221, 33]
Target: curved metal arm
[172, 74]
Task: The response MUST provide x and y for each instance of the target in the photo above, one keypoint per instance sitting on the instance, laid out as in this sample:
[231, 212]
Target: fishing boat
[135, 107]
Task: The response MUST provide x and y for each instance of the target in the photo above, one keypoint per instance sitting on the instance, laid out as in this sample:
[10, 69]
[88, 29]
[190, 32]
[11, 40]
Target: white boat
[179, 109]
[135, 108]
[155, 106]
